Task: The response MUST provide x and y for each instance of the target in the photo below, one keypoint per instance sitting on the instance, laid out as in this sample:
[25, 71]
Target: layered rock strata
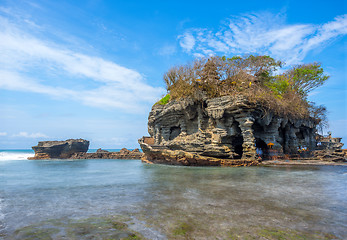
[337, 155]
[221, 131]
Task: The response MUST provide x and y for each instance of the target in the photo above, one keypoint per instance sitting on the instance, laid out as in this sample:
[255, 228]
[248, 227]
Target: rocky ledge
[104, 154]
[77, 149]
[224, 131]
[162, 155]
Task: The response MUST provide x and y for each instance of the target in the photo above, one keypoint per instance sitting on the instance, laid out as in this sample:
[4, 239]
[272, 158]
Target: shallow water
[158, 198]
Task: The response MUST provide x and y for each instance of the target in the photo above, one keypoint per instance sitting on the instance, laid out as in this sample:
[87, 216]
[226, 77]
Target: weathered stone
[60, 149]
[330, 155]
[179, 157]
[77, 149]
[101, 151]
[220, 130]
[122, 154]
[329, 143]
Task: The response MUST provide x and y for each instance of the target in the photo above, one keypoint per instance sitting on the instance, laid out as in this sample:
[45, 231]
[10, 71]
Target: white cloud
[263, 34]
[3, 133]
[187, 41]
[30, 135]
[22, 53]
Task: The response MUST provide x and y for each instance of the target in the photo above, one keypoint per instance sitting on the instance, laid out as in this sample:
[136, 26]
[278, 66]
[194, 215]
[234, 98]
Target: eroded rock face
[226, 128]
[60, 149]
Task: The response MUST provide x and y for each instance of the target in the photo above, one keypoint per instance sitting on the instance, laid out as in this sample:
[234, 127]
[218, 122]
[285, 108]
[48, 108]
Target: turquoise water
[156, 196]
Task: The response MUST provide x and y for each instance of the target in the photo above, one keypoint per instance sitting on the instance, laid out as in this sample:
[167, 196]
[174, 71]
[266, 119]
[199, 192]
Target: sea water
[159, 196]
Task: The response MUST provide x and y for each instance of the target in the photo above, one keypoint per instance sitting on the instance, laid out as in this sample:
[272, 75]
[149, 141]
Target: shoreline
[301, 162]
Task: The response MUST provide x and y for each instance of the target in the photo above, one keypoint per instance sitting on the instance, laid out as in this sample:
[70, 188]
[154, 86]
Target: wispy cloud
[187, 41]
[263, 33]
[114, 86]
[3, 133]
[30, 135]
[167, 50]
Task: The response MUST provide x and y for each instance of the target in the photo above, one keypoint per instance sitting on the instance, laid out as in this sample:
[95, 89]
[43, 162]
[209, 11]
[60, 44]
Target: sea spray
[6, 155]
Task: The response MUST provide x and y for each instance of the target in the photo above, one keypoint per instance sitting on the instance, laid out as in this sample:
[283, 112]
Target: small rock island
[235, 112]
[60, 149]
[77, 149]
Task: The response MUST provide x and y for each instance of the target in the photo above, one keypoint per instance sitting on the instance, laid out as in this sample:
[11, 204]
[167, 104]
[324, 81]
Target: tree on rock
[254, 77]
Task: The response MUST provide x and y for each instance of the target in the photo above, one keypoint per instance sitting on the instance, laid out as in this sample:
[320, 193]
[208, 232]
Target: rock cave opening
[174, 132]
[237, 144]
[300, 134]
[259, 143]
[282, 135]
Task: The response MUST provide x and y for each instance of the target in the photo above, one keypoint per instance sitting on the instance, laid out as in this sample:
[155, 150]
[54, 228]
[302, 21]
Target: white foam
[5, 156]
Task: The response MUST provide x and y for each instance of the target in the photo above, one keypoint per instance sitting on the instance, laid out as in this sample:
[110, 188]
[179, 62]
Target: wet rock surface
[224, 131]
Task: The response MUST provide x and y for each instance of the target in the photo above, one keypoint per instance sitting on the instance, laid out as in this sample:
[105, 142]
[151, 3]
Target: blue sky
[93, 69]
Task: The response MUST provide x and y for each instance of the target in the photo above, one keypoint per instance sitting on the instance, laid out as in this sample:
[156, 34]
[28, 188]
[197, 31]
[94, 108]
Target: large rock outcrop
[222, 131]
[60, 149]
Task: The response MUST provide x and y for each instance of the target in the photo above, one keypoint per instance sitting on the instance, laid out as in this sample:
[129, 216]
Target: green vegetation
[258, 78]
[164, 100]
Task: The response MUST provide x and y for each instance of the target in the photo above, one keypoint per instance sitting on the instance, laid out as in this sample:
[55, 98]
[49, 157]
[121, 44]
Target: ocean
[166, 202]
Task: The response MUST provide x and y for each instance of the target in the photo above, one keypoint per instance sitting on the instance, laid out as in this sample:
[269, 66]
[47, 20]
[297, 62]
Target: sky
[93, 69]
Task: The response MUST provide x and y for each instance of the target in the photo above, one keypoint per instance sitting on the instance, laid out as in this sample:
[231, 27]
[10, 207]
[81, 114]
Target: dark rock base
[179, 157]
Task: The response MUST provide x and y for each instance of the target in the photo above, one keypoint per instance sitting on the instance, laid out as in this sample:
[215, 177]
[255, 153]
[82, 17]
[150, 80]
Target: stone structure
[328, 142]
[330, 149]
[221, 131]
[60, 149]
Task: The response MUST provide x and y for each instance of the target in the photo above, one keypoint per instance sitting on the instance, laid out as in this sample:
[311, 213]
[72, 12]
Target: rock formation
[77, 149]
[104, 154]
[221, 131]
[328, 142]
[336, 155]
[60, 149]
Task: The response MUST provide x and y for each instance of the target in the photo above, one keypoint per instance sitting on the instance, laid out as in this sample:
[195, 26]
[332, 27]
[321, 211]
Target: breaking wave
[15, 155]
